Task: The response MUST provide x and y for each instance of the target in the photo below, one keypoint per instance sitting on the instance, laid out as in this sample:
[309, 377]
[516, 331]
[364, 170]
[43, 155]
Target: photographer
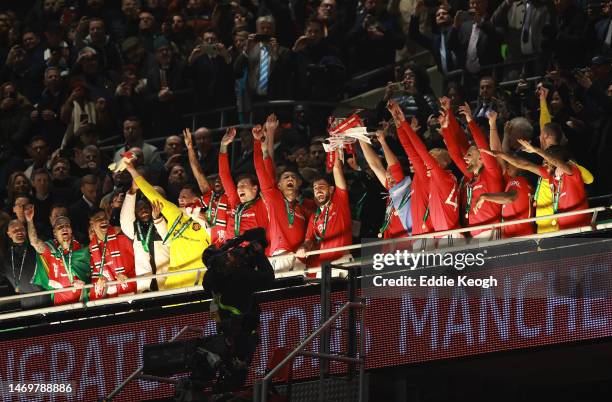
[235, 272]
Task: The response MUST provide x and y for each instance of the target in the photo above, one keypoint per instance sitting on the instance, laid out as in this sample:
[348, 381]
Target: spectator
[438, 43]
[147, 30]
[18, 183]
[268, 65]
[523, 23]
[474, 39]
[133, 136]
[46, 116]
[566, 33]
[602, 34]
[319, 70]
[42, 198]
[63, 188]
[136, 55]
[21, 202]
[207, 154]
[127, 23]
[178, 33]
[167, 89]
[374, 38]
[19, 266]
[209, 64]
[107, 52]
[38, 150]
[79, 211]
[14, 118]
[413, 94]
[26, 77]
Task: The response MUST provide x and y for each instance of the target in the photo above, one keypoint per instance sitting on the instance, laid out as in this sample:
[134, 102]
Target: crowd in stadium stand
[78, 75]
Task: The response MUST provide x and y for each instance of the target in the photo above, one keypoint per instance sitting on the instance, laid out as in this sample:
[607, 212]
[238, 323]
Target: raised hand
[466, 111]
[188, 137]
[489, 152]
[29, 213]
[527, 147]
[491, 115]
[156, 208]
[258, 133]
[414, 123]
[396, 112]
[443, 119]
[445, 103]
[229, 136]
[271, 124]
[542, 92]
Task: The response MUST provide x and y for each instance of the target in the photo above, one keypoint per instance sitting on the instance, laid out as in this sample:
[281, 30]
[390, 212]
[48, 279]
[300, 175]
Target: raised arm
[169, 210]
[270, 131]
[260, 155]
[374, 162]
[224, 168]
[402, 134]
[556, 162]
[514, 160]
[452, 135]
[494, 140]
[545, 117]
[38, 244]
[339, 180]
[198, 173]
[489, 162]
[128, 215]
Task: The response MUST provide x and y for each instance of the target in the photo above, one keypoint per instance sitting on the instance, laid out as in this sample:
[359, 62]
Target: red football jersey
[288, 220]
[331, 227]
[254, 216]
[57, 273]
[571, 195]
[518, 209]
[216, 215]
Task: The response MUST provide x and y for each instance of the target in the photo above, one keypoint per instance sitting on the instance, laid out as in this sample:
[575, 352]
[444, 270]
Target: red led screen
[534, 304]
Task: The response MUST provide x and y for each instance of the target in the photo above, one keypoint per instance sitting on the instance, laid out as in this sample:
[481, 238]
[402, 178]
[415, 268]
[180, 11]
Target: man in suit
[79, 211]
[438, 42]
[603, 30]
[474, 39]
[168, 89]
[267, 63]
[523, 22]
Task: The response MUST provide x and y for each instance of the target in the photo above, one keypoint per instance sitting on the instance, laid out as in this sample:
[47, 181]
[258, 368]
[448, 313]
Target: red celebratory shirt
[570, 195]
[330, 227]
[118, 259]
[520, 208]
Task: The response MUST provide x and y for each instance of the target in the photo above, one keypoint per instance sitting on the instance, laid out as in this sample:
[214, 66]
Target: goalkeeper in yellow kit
[187, 234]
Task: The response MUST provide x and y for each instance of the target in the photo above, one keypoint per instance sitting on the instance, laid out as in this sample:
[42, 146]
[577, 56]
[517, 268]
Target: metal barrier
[260, 392]
[137, 374]
[593, 227]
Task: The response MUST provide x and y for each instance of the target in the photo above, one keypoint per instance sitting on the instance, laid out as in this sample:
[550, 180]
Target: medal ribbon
[144, 241]
[290, 211]
[179, 232]
[239, 211]
[468, 205]
[212, 220]
[325, 218]
[389, 211]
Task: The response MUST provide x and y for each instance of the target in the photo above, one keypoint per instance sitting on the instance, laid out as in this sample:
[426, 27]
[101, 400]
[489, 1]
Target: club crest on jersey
[196, 226]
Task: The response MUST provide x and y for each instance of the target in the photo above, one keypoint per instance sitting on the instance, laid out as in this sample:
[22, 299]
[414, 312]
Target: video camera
[238, 252]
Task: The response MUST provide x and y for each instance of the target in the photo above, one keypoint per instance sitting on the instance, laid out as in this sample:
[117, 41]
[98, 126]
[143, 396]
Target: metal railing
[138, 375]
[593, 227]
[260, 393]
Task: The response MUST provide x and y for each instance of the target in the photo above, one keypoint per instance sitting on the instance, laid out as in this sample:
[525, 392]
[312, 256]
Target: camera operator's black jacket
[238, 285]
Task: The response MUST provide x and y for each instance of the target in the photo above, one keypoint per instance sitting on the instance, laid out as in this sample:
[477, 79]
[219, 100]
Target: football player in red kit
[516, 197]
[213, 197]
[564, 177]
[330, 226]
[441, 208]
[247, 209]
[288, 211]
[482, 175]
